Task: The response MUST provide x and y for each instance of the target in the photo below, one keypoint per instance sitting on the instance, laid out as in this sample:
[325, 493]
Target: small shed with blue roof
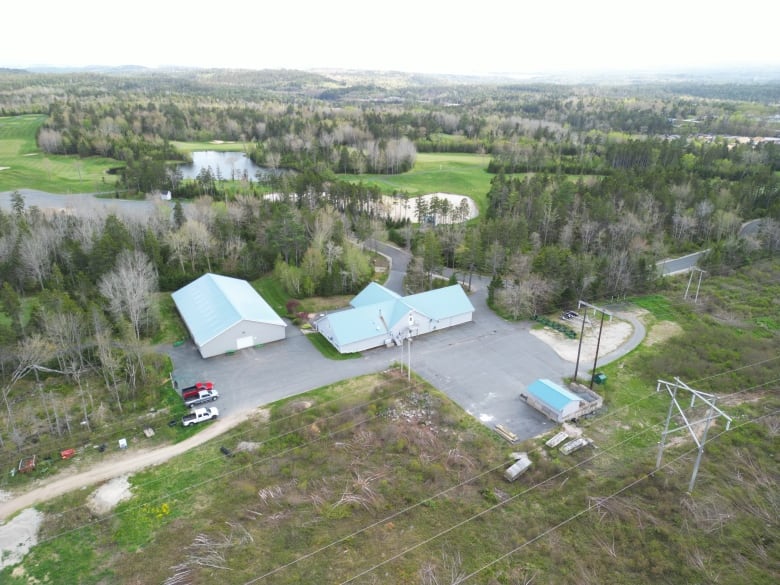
[225, 314]
[378, 317]
[553, 400]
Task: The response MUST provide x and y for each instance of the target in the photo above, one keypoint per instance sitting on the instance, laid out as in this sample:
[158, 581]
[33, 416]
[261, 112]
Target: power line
[388, 518]
[610, 496]
[284, 452]
[457, 525]
[486, 510]
[422, 502]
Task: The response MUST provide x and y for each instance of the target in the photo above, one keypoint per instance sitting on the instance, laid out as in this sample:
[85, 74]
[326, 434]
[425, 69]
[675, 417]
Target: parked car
[200, 415]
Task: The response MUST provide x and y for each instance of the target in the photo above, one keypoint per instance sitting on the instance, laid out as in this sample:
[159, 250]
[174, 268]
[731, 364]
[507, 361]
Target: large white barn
[225, 314]
[379, 316]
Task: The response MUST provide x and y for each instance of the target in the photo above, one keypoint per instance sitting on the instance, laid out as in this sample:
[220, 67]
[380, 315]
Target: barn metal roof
[213, 303]
[552, 394]
[441, 303]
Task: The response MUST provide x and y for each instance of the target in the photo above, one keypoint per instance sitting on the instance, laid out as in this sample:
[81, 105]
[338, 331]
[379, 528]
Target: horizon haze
[493, 39]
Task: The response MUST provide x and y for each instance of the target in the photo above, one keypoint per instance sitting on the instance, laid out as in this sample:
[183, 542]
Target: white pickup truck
[199, 415]
[200, 397]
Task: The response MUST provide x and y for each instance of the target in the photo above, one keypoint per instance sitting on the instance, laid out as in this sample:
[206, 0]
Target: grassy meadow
[376, 479]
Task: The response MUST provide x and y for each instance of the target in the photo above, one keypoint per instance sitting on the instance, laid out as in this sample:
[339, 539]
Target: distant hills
[756, 74]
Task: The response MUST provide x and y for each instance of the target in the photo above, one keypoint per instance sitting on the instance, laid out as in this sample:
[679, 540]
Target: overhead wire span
[541, 535]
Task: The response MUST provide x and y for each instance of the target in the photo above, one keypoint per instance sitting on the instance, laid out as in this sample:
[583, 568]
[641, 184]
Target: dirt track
[126, 462]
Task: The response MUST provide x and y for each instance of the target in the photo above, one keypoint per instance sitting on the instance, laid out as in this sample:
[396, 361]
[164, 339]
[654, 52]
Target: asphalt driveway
[483, 366]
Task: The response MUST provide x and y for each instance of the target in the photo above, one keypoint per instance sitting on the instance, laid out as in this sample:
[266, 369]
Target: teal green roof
[360, 323]
[213, 303]
[377, 310]
[372, 294]
[552, 394]
[441, 303]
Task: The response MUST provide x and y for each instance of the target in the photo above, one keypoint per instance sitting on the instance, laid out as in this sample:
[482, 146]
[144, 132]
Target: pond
[230, 166]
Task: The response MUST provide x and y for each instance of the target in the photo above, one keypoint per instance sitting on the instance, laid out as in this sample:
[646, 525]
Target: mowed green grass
[24, 166]
[218, 146]
[459, 174]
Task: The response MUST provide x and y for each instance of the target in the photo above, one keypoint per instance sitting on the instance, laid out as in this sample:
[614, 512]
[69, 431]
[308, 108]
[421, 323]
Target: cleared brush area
[376, 480]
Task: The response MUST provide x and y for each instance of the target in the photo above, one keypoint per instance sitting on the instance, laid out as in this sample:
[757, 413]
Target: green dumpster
[600, 378]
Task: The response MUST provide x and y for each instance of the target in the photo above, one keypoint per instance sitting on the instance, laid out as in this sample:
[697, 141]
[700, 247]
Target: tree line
[589, 192]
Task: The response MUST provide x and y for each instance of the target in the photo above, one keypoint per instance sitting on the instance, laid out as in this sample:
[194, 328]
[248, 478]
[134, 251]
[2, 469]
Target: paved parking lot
[483, 366]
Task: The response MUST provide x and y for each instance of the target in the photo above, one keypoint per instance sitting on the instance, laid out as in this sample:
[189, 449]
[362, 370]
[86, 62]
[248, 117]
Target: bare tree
[323, 227]
[31, 353]
[35, 253]
[177, 242]
[129, 288]
[683, 224]
[332, 253]
[400, 152]
[199, 242]
[703, 213]
[65, 329]
[495, 257]
[618, 272]
[110, 362]
[770, 234]
[50, 141]
[526, 297]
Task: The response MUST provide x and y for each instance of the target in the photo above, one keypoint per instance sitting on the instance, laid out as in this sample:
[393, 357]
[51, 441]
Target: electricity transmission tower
[712, 412]
[698, 286]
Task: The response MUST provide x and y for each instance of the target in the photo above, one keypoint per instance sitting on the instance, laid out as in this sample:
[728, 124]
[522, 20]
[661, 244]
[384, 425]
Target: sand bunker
[459, 208]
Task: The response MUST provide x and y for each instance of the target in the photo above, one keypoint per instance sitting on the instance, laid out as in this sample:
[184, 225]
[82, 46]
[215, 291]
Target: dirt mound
[18, 536]
[104, 499]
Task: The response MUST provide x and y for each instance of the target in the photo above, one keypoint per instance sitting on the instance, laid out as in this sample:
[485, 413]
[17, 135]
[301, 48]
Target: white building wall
[364, 344]
[422, 324]
[228, 340]
[570, 411]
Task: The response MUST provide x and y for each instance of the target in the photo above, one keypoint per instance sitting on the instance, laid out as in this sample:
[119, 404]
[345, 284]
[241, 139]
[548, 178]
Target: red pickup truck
[192, 391]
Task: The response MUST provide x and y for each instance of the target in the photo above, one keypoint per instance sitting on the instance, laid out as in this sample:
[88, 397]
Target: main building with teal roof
[378, 317]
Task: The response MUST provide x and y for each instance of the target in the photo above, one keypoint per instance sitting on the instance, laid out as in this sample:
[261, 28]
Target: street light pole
[409, 368]
[409, 336]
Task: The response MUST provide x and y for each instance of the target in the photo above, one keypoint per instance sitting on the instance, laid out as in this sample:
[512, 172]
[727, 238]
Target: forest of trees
[591, 187]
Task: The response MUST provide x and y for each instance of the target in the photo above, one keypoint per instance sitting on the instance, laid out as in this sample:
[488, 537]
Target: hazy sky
[432, 36]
